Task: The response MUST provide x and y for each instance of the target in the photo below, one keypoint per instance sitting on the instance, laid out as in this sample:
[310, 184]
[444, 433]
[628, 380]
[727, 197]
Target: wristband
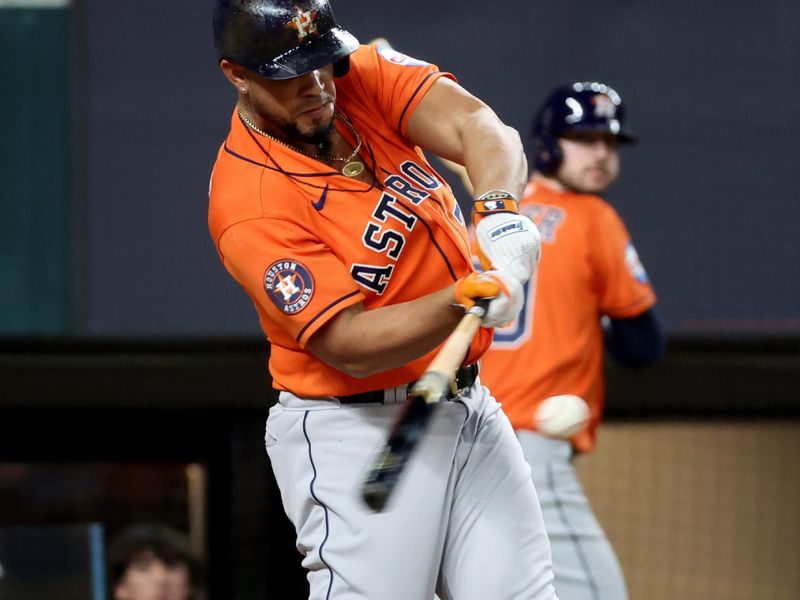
[496, 194]
[494, 201]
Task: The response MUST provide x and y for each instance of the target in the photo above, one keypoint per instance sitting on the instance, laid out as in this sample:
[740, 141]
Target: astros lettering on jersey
[306, 242]
[589, 268]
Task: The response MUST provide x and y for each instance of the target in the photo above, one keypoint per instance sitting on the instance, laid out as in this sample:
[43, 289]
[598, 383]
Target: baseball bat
[413, 418]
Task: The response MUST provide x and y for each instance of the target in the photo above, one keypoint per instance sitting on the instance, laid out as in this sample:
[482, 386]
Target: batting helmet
[573, 108]
[281, 39]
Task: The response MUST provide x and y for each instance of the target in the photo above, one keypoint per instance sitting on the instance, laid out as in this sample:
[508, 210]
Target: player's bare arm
[455, 125]
[452, 123]
[364, 342]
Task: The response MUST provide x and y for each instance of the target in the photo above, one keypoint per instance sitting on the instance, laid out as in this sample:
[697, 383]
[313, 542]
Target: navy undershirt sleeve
[635, 342]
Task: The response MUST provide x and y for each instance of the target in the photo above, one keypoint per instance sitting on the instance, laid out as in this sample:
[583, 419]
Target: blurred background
[133, 373]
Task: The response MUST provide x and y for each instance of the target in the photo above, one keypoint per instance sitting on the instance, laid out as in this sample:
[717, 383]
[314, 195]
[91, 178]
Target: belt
[464, 379]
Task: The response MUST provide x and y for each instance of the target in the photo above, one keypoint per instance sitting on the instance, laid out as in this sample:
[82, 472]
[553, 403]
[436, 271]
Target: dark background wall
[709, 194]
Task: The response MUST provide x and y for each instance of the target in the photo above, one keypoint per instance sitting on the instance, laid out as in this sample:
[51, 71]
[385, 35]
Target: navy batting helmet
[281, 39]
[573, 108]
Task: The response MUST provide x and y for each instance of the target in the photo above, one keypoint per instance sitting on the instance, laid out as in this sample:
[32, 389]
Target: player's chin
[317, 120]
[596, 181]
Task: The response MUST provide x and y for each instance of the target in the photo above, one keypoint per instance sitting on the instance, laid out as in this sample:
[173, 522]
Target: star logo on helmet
[604, 106]
[304, 23]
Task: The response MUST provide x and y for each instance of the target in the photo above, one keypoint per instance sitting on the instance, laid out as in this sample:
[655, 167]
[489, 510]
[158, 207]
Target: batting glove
[502, 289]
[509, 241]
[505, 239]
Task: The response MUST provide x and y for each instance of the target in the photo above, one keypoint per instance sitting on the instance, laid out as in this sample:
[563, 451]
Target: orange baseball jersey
[589, 268]
[306, 242]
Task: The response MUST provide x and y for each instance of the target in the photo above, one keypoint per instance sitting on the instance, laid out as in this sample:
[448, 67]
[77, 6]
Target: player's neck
[327, 149]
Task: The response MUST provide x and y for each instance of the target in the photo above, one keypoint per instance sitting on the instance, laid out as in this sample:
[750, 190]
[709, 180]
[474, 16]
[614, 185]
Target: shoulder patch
[289, 285]
[398, 58]
[635, 265]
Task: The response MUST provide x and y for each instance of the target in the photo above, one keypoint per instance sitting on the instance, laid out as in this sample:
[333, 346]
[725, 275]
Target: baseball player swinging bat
[414, 416]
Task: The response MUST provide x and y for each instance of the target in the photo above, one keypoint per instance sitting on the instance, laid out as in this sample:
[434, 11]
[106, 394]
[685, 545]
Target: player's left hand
[509, 241]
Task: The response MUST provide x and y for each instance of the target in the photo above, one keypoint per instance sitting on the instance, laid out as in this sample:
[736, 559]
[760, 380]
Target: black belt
[464, 379]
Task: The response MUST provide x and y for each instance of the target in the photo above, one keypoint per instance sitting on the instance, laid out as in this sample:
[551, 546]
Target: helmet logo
[304, 23]
[604, 106]
[577, 111]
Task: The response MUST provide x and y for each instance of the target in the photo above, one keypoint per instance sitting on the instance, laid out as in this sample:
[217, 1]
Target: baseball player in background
[590, 293]
[356, 257]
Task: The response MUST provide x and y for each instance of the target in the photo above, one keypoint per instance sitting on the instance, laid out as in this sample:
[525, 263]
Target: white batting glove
[509, 241]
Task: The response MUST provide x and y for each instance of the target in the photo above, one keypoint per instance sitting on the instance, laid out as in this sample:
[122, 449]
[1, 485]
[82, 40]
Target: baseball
[561, 416]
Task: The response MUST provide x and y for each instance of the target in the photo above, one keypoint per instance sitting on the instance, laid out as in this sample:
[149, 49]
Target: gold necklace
[352, 167]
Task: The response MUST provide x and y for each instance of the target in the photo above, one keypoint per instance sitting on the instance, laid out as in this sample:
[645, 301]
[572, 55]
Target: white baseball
[561, 416]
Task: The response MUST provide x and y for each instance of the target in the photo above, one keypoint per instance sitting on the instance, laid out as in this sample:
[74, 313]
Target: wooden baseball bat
[413, 418]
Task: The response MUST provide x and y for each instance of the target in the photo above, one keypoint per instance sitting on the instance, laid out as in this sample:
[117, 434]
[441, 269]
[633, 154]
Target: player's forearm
[453, 124]
[493, 155]
[364, 342]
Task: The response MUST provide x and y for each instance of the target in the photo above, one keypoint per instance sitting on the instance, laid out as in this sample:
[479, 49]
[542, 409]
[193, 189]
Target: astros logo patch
[400, 59]
[289, 285]
[635, 265]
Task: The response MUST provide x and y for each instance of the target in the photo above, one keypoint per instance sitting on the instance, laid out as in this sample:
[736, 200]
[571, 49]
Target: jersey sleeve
[621, 282]
[393, 82]
[295, 281]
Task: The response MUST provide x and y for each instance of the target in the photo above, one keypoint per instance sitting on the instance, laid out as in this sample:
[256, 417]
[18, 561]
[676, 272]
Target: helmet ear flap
[548, 155]
[341, 67]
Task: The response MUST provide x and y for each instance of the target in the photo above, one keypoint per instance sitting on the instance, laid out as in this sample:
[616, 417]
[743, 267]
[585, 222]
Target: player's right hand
[500, 287]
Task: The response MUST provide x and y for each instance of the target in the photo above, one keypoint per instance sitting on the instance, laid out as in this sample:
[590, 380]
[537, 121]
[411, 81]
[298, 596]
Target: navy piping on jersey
[293, 175]
[372, 165]
[433, 199]
[324, 508]
[323, 311]
[411, 99]
[572, 535]
[433, 239]
[266, 166]
[277, 167]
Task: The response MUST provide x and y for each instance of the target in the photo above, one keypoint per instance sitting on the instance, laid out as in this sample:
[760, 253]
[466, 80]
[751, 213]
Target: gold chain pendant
[353, 169]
